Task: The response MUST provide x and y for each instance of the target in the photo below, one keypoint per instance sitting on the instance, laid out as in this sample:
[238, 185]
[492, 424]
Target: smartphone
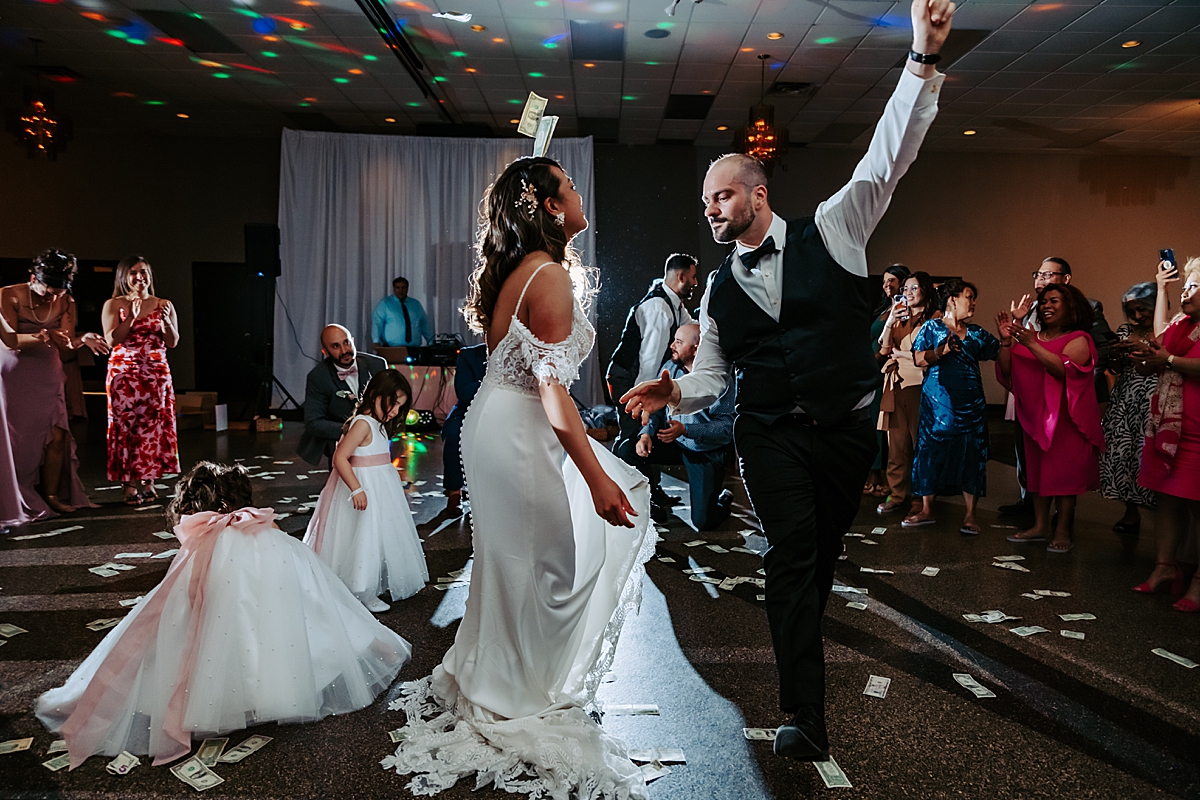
[1168, 254]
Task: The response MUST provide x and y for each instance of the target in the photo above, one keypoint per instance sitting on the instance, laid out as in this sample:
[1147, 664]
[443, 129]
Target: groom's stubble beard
[735, 226]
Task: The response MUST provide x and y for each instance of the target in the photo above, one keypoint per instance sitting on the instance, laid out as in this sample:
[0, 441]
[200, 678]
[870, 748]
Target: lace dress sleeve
[557, 362]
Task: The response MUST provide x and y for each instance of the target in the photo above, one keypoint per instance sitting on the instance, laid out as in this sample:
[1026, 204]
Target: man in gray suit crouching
[332, 390]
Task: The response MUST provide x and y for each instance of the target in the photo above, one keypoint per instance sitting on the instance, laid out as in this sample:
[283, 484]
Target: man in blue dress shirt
[399, 320]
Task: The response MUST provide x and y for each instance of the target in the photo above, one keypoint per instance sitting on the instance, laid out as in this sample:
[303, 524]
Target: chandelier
[36, 125]
[760, 138]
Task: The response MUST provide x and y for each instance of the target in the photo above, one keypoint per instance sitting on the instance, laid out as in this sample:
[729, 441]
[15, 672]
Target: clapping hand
[135, 307]
[1021, 308]
[1004, 325]
[94, 342]
[60, 338]
[1023, 335]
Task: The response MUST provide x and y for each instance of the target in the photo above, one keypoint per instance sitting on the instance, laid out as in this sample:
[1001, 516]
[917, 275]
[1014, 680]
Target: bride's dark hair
[508, 232]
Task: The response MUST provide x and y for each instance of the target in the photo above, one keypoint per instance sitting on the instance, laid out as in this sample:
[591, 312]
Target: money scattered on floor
[1008, 558]
[1031, 595]
[728, 585]
[210, 751]
[654, 770]
[103, 624]
[1075, 617]
[57, 746]
[878, 531]
[857, 605]
[854, 535]
[973, 686]
[133, 555]
[632, 710]
[666, 559]
[248, 746]
[1010, 565]
[849, 589]
[397, 735]
[832, 774]
[196, 775]
[58, 762]
[699, 570]
[15, 745]
[663, 755]
[990, 617]
[122, 764]
[8, 630]
[1028, 630]
[929, 572]
[716, 548]
[163, 534]
[759, 734]
[167, 553]
[694, 543]
[148, 508]
[1051, 593]
[876, 571]
[704, 579]
[1180, 660]
[1072, 634]
[103, 572]
[760, 597]
[47, 534]
[877, 686]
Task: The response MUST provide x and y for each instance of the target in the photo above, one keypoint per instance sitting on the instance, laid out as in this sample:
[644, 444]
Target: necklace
[33, 309]
[1042, 338]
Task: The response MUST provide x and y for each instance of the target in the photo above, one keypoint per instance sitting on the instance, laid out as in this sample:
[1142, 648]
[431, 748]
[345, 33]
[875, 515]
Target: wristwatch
[1171, 361]
[924, 58]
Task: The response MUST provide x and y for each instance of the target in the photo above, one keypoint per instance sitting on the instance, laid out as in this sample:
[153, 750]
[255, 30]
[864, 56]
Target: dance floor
[1100, 716]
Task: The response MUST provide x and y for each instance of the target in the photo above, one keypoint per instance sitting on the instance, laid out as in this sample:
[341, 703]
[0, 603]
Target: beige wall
[173, 200]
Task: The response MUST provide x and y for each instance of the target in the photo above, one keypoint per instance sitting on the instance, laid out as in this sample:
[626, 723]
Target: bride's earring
[560, 218]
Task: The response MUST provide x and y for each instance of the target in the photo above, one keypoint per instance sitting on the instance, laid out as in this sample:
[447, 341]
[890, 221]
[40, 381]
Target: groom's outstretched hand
[931, 26]
[649, 396]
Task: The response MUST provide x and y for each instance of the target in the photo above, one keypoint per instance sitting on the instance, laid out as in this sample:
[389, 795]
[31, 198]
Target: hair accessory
[528, 198]
[560, 218]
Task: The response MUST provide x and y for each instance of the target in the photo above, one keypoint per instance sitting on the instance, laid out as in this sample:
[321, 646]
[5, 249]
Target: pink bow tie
[343, 374]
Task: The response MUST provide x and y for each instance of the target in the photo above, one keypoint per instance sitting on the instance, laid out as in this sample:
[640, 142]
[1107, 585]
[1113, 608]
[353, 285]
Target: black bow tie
[751, 259]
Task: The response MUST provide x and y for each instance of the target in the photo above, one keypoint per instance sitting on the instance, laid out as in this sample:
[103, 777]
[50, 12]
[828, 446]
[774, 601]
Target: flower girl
[362, 527]
[248, 626]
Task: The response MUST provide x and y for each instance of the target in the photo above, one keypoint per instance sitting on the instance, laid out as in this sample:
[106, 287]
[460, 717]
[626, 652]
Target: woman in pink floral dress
[142, 443]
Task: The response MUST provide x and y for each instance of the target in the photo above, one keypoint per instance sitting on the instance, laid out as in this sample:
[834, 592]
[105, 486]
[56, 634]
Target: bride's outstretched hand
[611, 503]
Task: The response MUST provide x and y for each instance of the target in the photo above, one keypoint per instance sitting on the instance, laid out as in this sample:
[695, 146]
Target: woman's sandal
[1018, 538]
[133, 498]
[1059, 547]
[1176, 582]
[1186, 605]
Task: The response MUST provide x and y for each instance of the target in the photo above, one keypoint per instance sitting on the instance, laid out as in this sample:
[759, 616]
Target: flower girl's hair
[211, 487]
[385, 385]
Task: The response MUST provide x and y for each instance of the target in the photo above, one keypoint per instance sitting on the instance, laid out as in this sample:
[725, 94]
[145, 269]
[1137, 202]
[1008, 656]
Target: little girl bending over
[362, 527]
[247, 626]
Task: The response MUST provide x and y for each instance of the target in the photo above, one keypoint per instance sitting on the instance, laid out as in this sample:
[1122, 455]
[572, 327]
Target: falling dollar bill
[929, 572]
[1072, 634]
[759, 734]
[250, 745]
[8, 630]
[1076, 617]
[15, 745]
[167, 553]
[210, 751]
[973, 686]
[541, 142]
[58, 762]
[1180, 660]
[877, 686]
[832, 774]
[632, 710]
[397, 735]
[531, 117]
[123, 763]
[196, 775]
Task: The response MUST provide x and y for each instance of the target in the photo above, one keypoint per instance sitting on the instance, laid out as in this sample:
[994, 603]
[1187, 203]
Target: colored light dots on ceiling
[552, 42]
[497, 40]
[170, 40]
[458, 53]
[479, 28]
[413, 104]
[651, 63]
[970, 132]
[124, 94]
[471, 70]
[657, 33]
[389, 119]
[269, 54]
[515, 102]
[155, 103]
[369, 57]
[628, 97]
[537, 75]
[183, 116]
[589, 65]
[439, 79]
[1131, 43]
[774, 36]
[514, 122]
[826, 40]
[341, 80]
[220, 74]
[118, 33]
[263, 25]
[722, 127]
[304, 105]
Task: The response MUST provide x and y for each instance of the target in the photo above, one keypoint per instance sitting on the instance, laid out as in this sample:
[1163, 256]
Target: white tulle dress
[372, 551]
[247, 626]
[551, 586]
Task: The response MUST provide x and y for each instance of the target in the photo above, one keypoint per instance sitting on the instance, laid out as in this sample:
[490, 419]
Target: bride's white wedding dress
[551, 585]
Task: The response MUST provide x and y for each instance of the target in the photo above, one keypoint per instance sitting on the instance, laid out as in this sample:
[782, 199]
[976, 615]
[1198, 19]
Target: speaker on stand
[263, 264]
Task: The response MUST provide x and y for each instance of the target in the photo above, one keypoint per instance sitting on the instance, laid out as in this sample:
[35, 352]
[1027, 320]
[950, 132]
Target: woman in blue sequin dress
[952, 435]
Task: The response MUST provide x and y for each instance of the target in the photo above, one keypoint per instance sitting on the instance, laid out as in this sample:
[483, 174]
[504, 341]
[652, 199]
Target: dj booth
[430, 372]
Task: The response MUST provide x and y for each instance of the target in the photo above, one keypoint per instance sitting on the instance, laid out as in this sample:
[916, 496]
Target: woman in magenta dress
[1171, 454]
[142, 442]
[1051, 374]
[42, 313]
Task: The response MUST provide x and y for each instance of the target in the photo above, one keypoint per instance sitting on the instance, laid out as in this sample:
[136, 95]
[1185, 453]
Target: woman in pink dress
[42, 313]
[142, 442]
[1051, 374]
[12, 507]
[1171, 454]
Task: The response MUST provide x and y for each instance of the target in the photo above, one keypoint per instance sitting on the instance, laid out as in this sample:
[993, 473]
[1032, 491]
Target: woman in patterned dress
[142, 443]
[1129, 404]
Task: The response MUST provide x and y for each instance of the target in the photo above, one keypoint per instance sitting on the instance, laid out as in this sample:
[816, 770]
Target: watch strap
[924, 58]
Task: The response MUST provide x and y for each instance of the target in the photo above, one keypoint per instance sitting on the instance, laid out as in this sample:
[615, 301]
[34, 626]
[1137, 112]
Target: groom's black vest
[818, 356]
[627, 357]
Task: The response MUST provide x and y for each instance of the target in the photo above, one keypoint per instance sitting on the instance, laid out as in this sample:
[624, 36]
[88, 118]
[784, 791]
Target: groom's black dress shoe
[804, 738]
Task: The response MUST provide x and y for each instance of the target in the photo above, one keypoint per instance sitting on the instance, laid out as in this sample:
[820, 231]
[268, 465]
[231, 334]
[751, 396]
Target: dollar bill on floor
[704, 579]
[47, 534]
[1028, 630]
[878, 531]
[58, 762]
[699, 570]
[662, 755]
[869, 541]
[973, 686]
[1031, 595]
[876, 571]
[531, 116]
[119, 567]
[210, 751]
[104, 572]
[15, 745]
[877, 686]
[397, 735]
[1076, 617]
[8, 630]
[996, 616]
[666, 559]
[163, 534]
[929, 572]
[856, 605]
[1009, 565]
[832, 774]
[248, 746]
[760, 597]
[694, 543]
[849, 589]
[167, 553]
[1051, 593]
[1071, 634]
[759, 734]
[148, 508]
[728, 585]
[632, 710]
[1180, 660]
[123, 763]
[57, 746]
[196, 775]
[1008, 558]
[716, 548]
[745, 550]
[545, 132]
[103, 624]
[654, 770]
[854, 535]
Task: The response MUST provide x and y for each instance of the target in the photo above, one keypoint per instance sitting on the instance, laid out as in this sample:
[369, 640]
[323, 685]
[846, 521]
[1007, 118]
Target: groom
[790, 311]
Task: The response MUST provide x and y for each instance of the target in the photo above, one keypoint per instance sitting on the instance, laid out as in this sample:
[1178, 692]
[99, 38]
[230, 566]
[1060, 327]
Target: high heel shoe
[1176, 582]
[1186, 605]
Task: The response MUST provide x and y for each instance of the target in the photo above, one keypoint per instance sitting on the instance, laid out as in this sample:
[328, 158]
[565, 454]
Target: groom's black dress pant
[805, 483]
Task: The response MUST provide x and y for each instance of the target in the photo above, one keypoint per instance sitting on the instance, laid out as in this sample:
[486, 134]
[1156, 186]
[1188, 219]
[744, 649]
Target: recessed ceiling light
[589, 65]
[970, 132]
[389, 119]
[747, 49]
[478, 28]
[706, 91]
[722, 127]
[1131, 43]
[497, 39]
[182, 116]
[657, 33]
[773, 35]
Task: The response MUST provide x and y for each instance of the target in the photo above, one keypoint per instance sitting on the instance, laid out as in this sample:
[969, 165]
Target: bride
[559, 529]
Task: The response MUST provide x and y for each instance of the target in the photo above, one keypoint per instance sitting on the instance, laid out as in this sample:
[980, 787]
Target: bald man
[332, 391]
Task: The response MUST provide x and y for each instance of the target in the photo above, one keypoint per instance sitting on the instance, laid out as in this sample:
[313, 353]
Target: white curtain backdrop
[357, 210]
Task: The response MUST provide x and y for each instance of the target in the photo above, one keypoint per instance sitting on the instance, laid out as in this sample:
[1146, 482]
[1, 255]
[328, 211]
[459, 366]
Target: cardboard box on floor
[196, 410]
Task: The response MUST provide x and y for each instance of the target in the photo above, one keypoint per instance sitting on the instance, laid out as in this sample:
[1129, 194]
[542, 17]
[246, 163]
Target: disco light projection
[553, 41]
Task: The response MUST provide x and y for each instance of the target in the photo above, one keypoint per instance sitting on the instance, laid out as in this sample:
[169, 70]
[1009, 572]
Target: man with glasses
[1053, 270]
